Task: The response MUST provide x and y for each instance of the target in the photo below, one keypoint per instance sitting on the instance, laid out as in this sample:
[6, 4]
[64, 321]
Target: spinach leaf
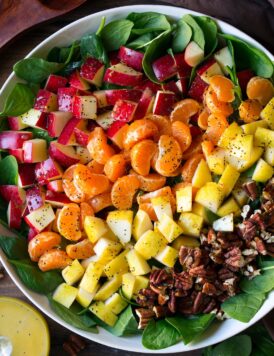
[92, 45]
[159, 335]
[233, 76]
[181, 36]
[14, 247]
[231, 347]
[243, 306]
[3, 211]
[36, 70]
[70, 316]
[190, 328]
[4, 124]
[265, 261]
[115, 34]
[101, 26]
[249, 57]
[263, 345]
[260, 284]
[9, 170]
[197, 32]
[211, 217]
[142, 41]
[146, 22]
[65, 54]
[19, 101]
[209, 28]
[34, 278]
[39, 133]
[125, 298]
[155, 48]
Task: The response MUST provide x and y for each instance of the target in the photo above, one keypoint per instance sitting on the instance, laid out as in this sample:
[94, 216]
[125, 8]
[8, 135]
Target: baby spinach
[262, 343]
[36, 70]
[34, 278]
[115, 34]
[14, 247]
[146, 22]
[233, 75]
[243, 306]
[4, 124]
[101, 26]
[9, 170]
[209, 28]
[181, 36]
[260, 284]
[160, 335]
[64, 54]
[142, 41]
[211, 217]
[197, 32]
[190, 328]
[19, 101]
[92, 45]
[39, 133]
[125, 298]
[231, 346]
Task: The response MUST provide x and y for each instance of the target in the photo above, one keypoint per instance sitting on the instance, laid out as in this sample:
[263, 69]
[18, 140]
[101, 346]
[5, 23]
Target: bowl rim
[34, 297]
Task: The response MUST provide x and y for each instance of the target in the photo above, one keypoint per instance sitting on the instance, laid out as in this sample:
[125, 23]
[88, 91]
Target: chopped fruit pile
[136, 183]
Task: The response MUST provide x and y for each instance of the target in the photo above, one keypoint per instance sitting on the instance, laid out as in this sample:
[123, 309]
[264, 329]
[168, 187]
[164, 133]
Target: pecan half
[146, 297]
[144, 315]
[251, 189]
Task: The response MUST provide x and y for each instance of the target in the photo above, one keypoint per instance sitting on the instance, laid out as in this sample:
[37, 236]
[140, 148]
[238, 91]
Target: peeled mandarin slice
[260, 89]
[217, 123]
[195, 147]
[115, 167]
[71, 191]
[140, 130]
[250, 110]
[80, 250]
[150, 182]
[223, 88]
[215, 106]
[190, 166]
[123, 191]
[95, 167]
[184, 109]
[141, 155]
[182, 134]
[85, 210]
[41, 243]
[54, 259]
[101, 201]
[163, 123]
[68, 222]
[170, 155]
[98, 147]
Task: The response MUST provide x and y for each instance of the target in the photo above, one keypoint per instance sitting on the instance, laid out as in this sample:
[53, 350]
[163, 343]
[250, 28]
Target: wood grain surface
[233, 11]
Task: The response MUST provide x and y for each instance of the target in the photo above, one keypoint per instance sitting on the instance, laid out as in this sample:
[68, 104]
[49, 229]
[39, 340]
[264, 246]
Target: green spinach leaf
[14, 247]
[209, 28]
[260, 284]
[231, 347]
[197, 32]
[146, 22]
[65, 55]
[101, 26]
[115, 34]
[4, 124]
[263, 345]
[9, 170]
[181, 36]
[92, 45]
[142, 41]
[39, 133]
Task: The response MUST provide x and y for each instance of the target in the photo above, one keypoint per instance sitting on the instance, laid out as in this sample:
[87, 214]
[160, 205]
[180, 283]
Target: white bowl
[218, 331]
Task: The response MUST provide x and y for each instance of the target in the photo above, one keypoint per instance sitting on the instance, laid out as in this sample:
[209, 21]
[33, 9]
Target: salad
[137, 174]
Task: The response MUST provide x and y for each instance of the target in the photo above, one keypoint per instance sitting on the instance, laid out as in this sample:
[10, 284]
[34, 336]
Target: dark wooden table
[262, 28]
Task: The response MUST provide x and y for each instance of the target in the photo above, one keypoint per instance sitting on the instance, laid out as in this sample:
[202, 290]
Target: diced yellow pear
[241, 146]
[99, 309]
[262, 172]
[85, 298]
[184, 199]
[118, 266]
[242, 165]
[106, 249]
[120, 222]
[191, 223]
[86, 261]
[201, 175]
[65, 294]
[264, 137]
[91, 277]
[229, 134]
[211, 196]
[161, 205]
[229, 206]
[73, 273]
[116, 303]
[150, 243]
[269, 155]
[108, 288]
[140, 283]
[200, 210]
[268, 114]
[110, 235]
[167, 256]
[224, 224]
[216, 161]
[137, 264]
[169, 228]
[228, 179]
[141, 224]
[186, 241]
[250, 129]
[94, 228]
[128, 285]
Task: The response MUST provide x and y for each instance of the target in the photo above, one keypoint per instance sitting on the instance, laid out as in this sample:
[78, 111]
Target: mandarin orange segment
[41, 243]
[184, 109]
[181, 132]
[140, 130]
[169, 156]
[80, 250]
[54, 259]
[216, 106]
[190, 166]
[101, 201]
[207, 147]
[162, 192]
[250, 110]
[260, 89]
[195, 147]
[95, 167]
[71, 191]
[115, 167]
[163, 123]
[85, 210]
[223, 88]
[141, 155]
[150, 182]
[98, 147]
[123, 191]
[202, 119]
[148, 208]
[217, 123]
[68, 222]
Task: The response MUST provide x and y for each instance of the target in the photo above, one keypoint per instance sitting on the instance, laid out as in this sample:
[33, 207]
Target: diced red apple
[14, 193]
[124, 110]
[209, 69]
[65, 155]
[40, 218]
[14, 139]
[113, 58]
[184, 70]
[197, 89]
[164, 67]
[35, 150]
[116, 133]
[18, 153]
[109, 97]
[35, 198]
[83, 154]
[101, 98]
[46, 101]
[131, 58]
[193, 54]
[163, 103]
[81, 136]
[171, 86]
[85, 107]
[93, 71]
[35, 118]
[14, 215]
[55, 82]
[145, 104]
[65, 98]
[120, 74]
[57, 200]
[47, 171]
[67, 136]
[244, 77]
[105, 120]
[26, 174]
[76, 81]
[57, 120]
[31, 234]
[55, 186]
[224, 59]
[16, 123]
[146, 83]
[25, 211]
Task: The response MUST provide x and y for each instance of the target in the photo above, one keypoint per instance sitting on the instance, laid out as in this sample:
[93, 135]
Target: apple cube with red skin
[65, 98]
[85, 107]
[35, 118]
[26, 174]
[193, 54]
[65, 155]
[40, 218]
[109, 97]
[164, 101]
[146, 83]
[35, 198]
[244, 77]
[56, 186]
[164, 67]
[46, 101]
[81, 136]
[55, 82]
[116, 133]
[18, 153]
[124, 110]
[120, 74]
[113, 58]
[105, 120]
[35, 150]
[14, 215]
[171, 86]
[16, 123]
[83, 154]
[145, 104]
[209, 69]
[47, 171]
[197, 89]
[56, 199]
[76, 81]
[31, 234]
[131, 58]
[57, 120]
[184, 70]
[14, 139]
[14, 193]
[67, 136]
[93, 71]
